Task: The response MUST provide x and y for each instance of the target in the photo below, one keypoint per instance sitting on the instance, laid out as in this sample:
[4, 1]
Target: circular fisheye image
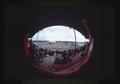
[58, 50]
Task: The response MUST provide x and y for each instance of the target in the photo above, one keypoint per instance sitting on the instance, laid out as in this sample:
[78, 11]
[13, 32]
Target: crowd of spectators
[61, 56]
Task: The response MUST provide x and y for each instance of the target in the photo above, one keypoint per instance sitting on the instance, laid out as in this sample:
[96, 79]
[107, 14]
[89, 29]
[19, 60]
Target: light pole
[38, 35]
[75, 38]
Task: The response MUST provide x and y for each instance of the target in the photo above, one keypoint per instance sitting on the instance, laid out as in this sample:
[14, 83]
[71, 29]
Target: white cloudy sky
[59, 33]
